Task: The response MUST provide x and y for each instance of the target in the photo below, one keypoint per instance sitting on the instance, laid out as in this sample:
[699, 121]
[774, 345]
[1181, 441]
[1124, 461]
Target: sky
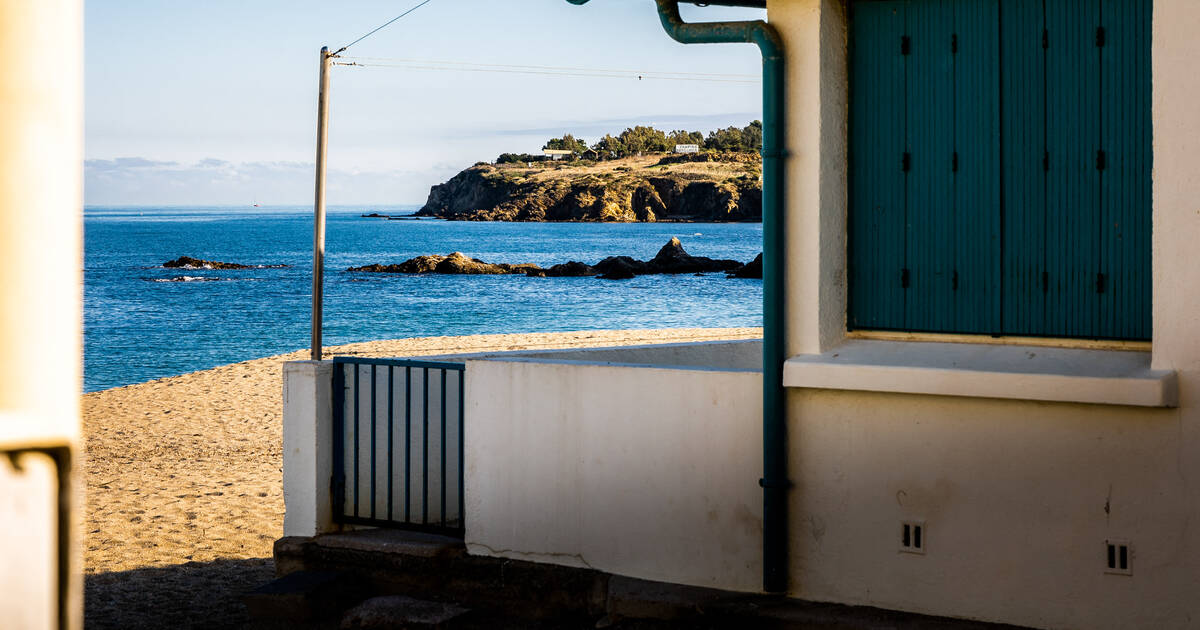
[214, 103]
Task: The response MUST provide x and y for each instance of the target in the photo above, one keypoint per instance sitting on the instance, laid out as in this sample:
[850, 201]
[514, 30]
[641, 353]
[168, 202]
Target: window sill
[1105, 377]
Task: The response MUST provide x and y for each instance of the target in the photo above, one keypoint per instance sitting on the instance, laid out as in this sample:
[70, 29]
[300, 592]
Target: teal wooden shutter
[1000, 164]
[877, 194]
[977, 213]
[1073, 181]
[929, 130]
[1125, 196]
[1024, 164]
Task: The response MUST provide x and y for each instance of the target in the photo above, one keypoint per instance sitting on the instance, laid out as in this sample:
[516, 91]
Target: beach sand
[184, 478]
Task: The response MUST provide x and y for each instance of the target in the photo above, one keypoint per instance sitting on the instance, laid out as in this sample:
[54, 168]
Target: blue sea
[143, 321]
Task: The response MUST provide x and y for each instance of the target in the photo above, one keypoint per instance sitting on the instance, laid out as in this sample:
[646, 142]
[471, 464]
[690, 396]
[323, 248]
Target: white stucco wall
[1018, 497]
[41, 186]
[645, 472]
[307, 447]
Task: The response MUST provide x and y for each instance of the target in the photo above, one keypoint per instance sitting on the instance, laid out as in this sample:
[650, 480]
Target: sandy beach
[184, 478]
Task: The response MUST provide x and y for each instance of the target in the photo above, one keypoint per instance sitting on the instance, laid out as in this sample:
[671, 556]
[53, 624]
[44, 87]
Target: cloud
[211, 181]
[666, 122]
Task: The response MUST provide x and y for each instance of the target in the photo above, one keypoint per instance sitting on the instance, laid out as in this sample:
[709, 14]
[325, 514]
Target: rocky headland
[653, 187]
[671, 259]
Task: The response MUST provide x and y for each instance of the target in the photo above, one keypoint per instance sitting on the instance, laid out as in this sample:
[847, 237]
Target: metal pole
[774, 482]
[318, 278]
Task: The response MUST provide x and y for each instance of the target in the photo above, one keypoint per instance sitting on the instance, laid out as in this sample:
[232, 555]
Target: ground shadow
[189, 595]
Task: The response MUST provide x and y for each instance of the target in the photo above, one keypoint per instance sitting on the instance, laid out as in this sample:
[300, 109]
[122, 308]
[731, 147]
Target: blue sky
[199, 103]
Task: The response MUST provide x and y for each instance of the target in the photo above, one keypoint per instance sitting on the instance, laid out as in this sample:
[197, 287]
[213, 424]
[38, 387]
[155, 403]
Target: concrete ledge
[509, 594]
[1105, 377]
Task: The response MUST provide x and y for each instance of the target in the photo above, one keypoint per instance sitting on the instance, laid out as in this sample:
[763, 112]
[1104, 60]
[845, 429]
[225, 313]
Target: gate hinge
[1101, 37]
[905, 44]
[1101, 160]
[906, 161]
[904, 278]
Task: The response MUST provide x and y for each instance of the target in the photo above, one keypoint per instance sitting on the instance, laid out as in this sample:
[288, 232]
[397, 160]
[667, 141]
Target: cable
[754, 77]
[388, 23]
[551, 71]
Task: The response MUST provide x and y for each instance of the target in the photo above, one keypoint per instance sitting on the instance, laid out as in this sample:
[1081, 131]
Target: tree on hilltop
[566, 143]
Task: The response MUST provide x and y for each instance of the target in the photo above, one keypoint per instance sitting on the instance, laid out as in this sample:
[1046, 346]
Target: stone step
[304, 596]
[401, 612]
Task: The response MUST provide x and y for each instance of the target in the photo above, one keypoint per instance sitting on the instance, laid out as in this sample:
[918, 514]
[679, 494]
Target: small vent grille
[1118, 557]
[912, 537]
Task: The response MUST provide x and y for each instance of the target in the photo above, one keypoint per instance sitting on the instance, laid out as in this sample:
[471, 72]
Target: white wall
[307, 452]
[41, 152]
[645, 472]
[1018, 497]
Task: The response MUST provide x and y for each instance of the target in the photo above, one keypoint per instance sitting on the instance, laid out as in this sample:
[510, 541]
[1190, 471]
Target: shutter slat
[1073, 184]
[930, 131]
[1024, 178]
[976, 237]
[877, 180]
[1125, 184]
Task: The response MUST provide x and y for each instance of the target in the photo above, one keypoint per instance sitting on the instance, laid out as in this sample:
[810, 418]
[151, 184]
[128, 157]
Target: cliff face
[650, 188]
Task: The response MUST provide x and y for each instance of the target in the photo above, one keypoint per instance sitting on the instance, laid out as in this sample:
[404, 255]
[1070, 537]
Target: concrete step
[303, 596]
[402, 613]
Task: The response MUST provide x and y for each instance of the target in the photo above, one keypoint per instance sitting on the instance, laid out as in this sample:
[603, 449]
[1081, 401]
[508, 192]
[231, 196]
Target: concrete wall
[708, 355]
[648, 472]
[1018, 497]
[307, 447]
[41, 152]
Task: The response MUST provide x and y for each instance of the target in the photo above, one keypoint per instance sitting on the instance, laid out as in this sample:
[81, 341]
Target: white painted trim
[1103, 377]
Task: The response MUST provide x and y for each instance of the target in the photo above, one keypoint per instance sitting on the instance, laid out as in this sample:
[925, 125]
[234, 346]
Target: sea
[143, 321]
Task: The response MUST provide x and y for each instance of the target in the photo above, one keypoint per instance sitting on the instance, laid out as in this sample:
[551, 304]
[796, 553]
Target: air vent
[912, 537]
[1118, 557]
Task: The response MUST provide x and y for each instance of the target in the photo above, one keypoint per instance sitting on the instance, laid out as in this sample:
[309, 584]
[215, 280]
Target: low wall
[650, 472]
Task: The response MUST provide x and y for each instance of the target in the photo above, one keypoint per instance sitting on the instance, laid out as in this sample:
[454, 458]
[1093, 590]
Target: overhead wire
[385, 25]
[460, 66]
[540, 67]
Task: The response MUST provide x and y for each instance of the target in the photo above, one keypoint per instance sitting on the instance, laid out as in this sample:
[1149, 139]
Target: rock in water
[619, 269]
[456, 263]
[569, 269]
[673, 259]
[187, 262]
[753, 269]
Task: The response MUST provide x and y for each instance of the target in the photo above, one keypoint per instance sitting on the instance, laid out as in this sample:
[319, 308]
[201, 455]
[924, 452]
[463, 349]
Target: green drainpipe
[775, 483]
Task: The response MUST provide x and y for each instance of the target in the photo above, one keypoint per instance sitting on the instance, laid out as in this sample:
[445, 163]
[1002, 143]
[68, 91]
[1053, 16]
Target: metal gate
[398, 444]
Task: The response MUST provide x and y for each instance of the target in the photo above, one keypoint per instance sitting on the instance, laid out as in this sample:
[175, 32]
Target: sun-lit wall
[41, 144]
[1018, 499]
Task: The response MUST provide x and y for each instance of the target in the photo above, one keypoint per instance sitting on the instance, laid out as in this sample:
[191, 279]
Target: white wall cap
[1107, 377]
